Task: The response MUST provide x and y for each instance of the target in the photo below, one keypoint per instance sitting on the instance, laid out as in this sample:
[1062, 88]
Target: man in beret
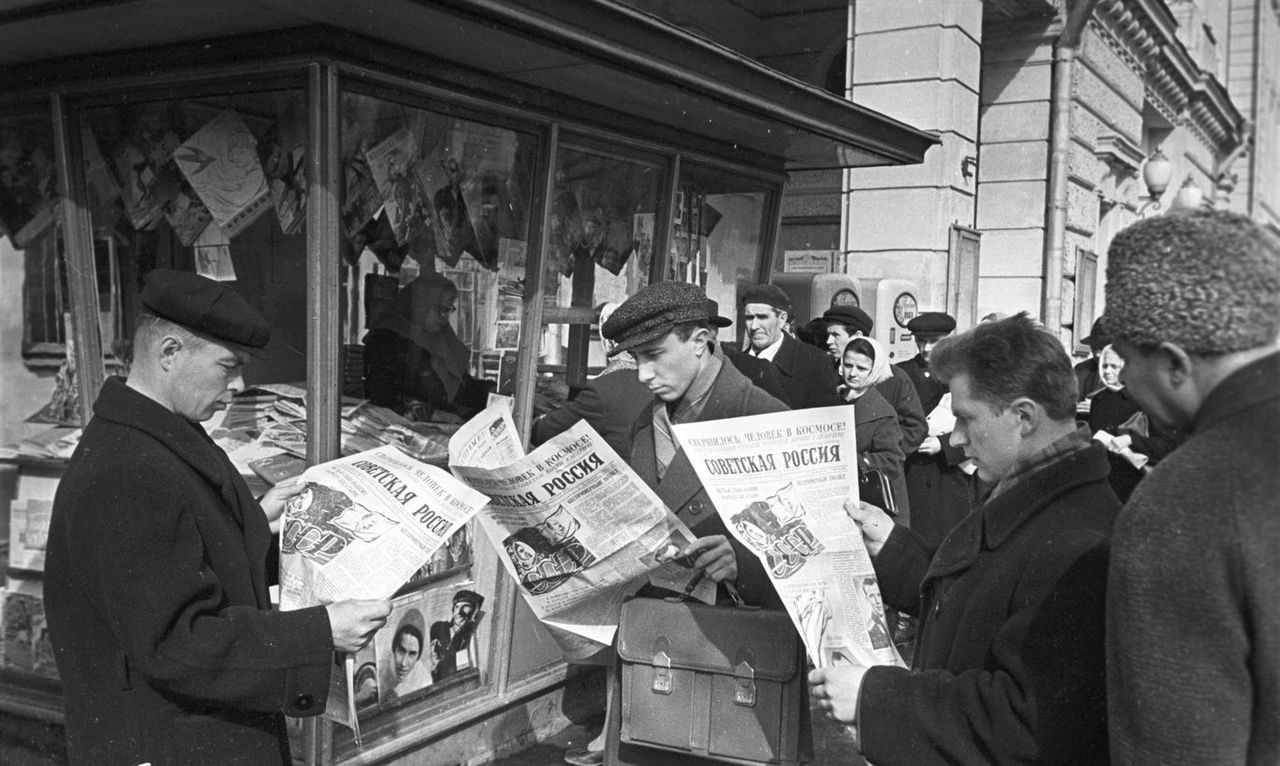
[666, 328]
[844, 323]
[1193, 600]
[158, 560]
[808, 378]
[941, 492]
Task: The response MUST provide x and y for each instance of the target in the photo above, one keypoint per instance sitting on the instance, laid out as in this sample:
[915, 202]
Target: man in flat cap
[666, 328]
[807, 376]
[1193, 600]
[844, 323]
[941, 492]
[158, 560]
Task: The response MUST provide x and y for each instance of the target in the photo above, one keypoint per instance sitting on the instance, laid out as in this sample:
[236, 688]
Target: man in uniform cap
[941, 492]
[807, 376]
[667, 328]
[1193, 600]
[157, 563]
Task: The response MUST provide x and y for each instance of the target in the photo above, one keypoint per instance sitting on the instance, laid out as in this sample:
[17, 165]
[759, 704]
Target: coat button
[304, 701]
[695, 507]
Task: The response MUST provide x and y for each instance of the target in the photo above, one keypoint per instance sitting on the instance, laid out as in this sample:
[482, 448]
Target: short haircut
[1208, 281]
[685, 330]
[149, 329]
[1008, 359]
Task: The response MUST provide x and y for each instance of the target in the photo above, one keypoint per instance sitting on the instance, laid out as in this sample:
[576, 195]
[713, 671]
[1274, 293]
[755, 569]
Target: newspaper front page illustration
[360, 528]
[779, 482]
[574, 526]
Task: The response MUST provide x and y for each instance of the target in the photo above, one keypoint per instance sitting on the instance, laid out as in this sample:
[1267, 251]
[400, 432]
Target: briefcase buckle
[744, 693]
[662, 682]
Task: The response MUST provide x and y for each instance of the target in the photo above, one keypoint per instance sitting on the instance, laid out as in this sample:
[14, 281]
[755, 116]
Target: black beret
[857, 319]
[652, 312]
[468, 597]
[771, 295]
[932, 323]
[713, 315]
[205, 306]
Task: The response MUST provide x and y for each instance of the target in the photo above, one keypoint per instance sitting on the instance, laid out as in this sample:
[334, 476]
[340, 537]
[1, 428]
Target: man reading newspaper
[1009, 663]
[665, 327]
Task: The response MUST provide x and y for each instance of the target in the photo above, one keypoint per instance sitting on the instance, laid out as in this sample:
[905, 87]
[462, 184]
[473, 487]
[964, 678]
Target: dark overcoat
[941, 493]
[808, 379]
[1009, 664]
[1193, 606]
[157, 602]
[732, 395]
[878, 439]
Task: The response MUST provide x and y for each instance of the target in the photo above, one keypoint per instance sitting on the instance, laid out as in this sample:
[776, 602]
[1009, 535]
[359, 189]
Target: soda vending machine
[891, 303]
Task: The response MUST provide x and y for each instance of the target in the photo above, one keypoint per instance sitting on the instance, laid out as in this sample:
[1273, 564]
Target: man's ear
[1174, 363]
[700, 338]
[1028, 412]
[167, 350]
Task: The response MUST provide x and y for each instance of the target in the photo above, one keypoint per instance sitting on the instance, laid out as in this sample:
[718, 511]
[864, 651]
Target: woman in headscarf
[863, 365]
[1134, 442]
[414, 362]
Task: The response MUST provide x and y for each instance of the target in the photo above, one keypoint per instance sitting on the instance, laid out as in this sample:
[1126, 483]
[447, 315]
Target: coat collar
[1246, 387]
[996, 521]
[680, 482]
[119, 404]
[785, 359]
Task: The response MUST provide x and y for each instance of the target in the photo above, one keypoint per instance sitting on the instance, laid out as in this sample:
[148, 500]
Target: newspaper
[361, 527]
[779, 482]
[574, 526]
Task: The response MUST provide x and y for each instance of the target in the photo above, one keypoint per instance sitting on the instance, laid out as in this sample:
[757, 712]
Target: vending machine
[891, 303]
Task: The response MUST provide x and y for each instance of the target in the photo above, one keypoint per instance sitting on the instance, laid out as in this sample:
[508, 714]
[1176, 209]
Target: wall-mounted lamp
[1157, 171]
[1190, 196]
[968, 166]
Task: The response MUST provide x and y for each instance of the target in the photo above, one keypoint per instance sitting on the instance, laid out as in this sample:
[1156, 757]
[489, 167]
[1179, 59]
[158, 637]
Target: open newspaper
[361, 527]
[574, 526]
[779, 482]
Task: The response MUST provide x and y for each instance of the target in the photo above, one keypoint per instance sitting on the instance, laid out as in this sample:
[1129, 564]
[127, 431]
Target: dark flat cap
[205, 306]
[770, 295]
[932, 323]
[468, 597]
[652, 312]
[856, 319]
[713, 315]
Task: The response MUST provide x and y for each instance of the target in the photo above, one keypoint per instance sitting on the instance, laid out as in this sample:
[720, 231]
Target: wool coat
[878, 438]
[941, 493]
[1193, 606]
[732, 395]
[1009, 664]
[808, 380]
[156, 597]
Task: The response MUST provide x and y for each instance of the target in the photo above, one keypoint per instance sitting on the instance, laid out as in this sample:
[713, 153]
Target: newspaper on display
[360, 528]
[574, 526]
[779, 482]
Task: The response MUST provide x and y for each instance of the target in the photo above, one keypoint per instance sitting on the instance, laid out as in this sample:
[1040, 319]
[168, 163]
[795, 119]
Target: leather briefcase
[718, 682]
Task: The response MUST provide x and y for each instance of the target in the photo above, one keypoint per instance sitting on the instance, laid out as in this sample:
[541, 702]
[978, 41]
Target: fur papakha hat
[1206, 280]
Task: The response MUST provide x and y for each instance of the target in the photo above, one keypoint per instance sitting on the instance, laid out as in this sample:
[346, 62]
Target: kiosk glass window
[717, 231]
[435, 230]
[601, 237]
[215, 184]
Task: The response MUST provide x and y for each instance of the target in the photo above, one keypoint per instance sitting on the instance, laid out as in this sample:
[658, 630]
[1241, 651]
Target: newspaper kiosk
[322, 163]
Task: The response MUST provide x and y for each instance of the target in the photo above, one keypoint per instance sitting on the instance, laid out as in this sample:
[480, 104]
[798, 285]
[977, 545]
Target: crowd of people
[1084, 567]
